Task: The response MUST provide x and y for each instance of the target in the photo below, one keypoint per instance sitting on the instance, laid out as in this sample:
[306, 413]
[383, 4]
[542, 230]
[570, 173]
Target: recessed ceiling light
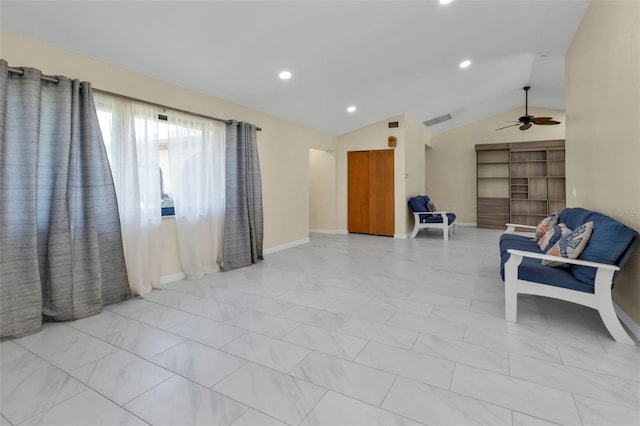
[445, 1]
[285, 75]
[351, 109]
[465, 64]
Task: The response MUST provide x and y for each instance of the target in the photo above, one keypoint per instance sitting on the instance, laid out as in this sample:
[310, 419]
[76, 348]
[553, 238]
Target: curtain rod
[129, 98]
[43, 77]
[56, 81]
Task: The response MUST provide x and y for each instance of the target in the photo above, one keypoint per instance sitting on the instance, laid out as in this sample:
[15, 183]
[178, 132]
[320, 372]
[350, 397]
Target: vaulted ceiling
[384, 57]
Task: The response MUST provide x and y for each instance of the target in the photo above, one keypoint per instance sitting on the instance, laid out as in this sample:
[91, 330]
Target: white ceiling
[385, 57]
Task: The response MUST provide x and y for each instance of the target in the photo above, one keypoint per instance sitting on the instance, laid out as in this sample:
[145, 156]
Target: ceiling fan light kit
[526, 121]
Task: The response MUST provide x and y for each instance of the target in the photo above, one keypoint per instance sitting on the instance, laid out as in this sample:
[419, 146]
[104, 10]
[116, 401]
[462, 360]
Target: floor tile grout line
[273, 370]
[57, 368]
[81, 365]
[453, 373]
[496, 404]
[74, 396]
[326, 391]
[573, 393]
[337, 391]
[386, 395]
[575, 404]
[396, 374]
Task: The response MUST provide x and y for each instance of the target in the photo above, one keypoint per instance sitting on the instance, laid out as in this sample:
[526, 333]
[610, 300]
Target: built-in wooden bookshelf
[493, 185]
[519, 182]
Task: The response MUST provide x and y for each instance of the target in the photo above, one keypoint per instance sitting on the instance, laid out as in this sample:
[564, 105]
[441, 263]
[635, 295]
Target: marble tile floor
[345, 330]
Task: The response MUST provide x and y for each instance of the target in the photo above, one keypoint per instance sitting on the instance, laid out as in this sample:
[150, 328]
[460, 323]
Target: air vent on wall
[437, 120]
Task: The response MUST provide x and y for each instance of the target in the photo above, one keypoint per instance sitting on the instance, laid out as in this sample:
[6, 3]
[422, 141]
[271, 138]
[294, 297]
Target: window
[148, 126]
[166, 163]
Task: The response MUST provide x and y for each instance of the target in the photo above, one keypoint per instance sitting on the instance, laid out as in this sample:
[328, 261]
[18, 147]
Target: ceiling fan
[527, 120]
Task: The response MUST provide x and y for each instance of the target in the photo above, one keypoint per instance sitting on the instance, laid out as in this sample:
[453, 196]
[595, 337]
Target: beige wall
[417, 139]
[283, 145]
[603, 125]
[451, 165]
[322, 190]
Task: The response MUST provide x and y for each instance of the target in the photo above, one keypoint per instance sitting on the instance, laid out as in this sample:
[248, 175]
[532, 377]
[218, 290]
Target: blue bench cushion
[532, 270]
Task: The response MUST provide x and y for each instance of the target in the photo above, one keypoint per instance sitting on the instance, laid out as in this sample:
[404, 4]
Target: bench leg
[511, 288]
[510, 302]
[610, 319]
[445, 232]
[415, 231]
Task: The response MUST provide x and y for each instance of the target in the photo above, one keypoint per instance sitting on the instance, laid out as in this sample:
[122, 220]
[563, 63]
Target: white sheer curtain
[130, 133]
[197, 159]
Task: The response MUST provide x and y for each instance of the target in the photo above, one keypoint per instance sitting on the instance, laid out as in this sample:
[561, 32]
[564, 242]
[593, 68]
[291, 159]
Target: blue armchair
[425, 215]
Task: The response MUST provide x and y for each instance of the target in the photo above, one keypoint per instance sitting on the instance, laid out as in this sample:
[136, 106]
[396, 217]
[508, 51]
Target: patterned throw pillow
[552, 236]
[546, 224]
[431, 207]
[570, 246]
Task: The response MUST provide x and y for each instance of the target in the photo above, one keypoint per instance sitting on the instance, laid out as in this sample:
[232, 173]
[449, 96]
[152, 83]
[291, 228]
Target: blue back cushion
[610, 242]
[574, 217]
[418, 203]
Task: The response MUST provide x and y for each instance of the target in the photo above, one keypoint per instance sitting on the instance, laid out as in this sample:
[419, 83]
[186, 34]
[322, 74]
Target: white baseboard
[285, 246]
[631, 325]
[327, 231]
[166, 279]
[401, 236]
[467, 224]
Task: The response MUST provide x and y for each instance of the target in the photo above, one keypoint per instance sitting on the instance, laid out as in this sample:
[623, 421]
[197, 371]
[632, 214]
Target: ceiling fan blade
[510, 125]
[525, 126]
[538, 120]
[543, 118]
[547, 123]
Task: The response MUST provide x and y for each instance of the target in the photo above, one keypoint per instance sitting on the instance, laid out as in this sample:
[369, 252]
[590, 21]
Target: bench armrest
[515, 225]
[541, 256]
[511, 229]
[438, 212]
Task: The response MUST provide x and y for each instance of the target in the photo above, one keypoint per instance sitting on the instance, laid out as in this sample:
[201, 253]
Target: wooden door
[371, 192]
[358, 188]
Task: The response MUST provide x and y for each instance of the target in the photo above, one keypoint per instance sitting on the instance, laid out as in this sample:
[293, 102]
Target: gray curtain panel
[61, 255]
[243, 230]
